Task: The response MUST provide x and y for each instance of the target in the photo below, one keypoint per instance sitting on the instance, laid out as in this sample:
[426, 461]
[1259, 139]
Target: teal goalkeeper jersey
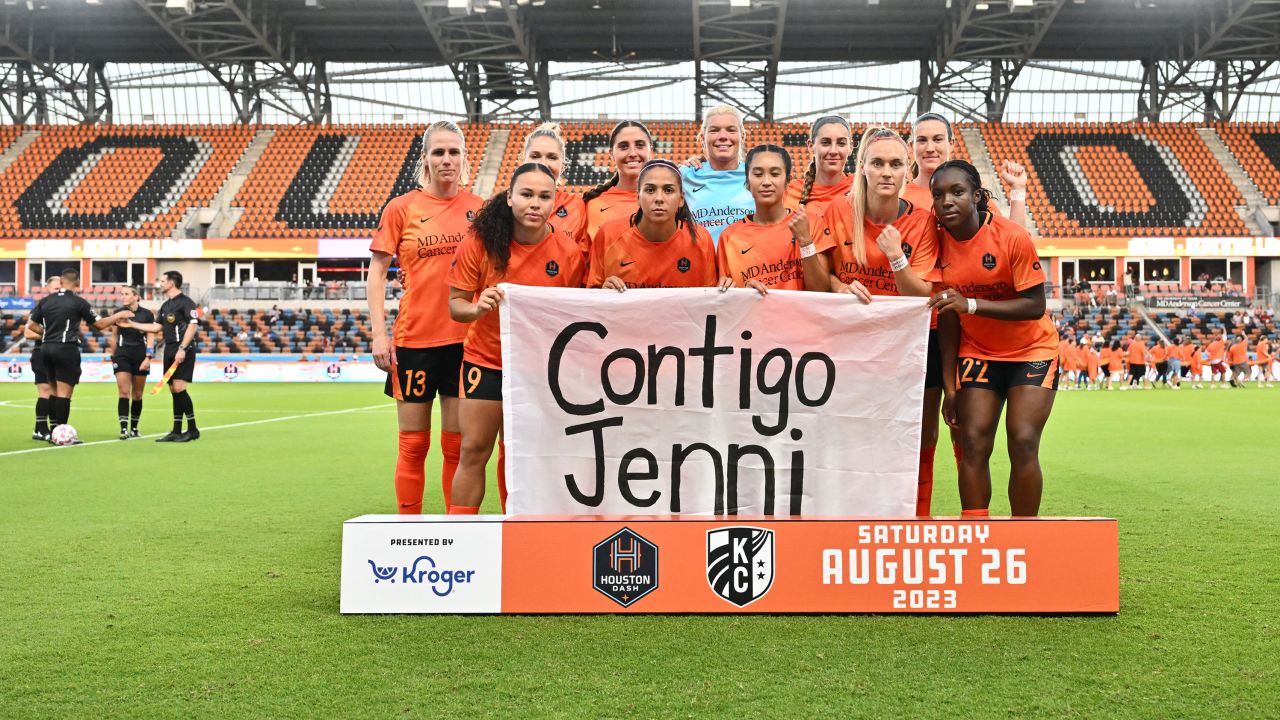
[717, 198]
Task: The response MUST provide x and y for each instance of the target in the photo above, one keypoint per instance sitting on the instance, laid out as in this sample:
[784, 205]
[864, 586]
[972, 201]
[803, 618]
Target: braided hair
[496, 223]
[984, 195]
[598, 190]
[683, 215]
[811, 172]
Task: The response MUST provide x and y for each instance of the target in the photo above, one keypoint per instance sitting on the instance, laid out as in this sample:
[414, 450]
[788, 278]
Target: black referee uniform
[175, 316]
[41, 431]
[131, 352]
[60, 314]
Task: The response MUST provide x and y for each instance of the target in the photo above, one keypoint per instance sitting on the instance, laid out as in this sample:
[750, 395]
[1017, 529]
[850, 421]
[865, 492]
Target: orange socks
[463, 510]
[502, 475]
[410, 473]
[450, 447]
[980, 512]
[924, 487]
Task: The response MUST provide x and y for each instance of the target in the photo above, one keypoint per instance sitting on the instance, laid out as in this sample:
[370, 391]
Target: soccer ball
[63, 435]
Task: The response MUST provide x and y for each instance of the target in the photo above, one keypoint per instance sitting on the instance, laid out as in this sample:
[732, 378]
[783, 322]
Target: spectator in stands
[274, 317]
[1112, 296]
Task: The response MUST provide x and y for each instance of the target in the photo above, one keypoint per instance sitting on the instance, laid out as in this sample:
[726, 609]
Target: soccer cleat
[40, 437]
[124, 434]
[134, 433]
[172, 437]
[191, 435]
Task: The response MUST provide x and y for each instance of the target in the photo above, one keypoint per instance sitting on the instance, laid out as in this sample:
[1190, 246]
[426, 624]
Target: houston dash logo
[423, 571]
[624, 567]
[740, 563]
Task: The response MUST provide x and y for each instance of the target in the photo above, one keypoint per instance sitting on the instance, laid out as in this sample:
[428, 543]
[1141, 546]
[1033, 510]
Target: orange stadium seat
[1256, 146]
[1105, 179]
[82, 181]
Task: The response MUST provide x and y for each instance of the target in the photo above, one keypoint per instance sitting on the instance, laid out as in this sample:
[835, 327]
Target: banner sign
[600, 564]
[694, 401]
[1178, 302]
[17, 302]
[18, 369]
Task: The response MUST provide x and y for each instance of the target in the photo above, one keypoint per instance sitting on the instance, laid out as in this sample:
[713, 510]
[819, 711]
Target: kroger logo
[423, 571]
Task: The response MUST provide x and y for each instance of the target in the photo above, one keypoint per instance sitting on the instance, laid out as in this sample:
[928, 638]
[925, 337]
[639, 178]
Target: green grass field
[145, 580]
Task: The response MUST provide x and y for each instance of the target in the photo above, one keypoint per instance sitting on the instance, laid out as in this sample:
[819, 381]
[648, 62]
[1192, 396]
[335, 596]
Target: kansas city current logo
[683, 264]
[989, 261]
[553, 268]
[624, 567]
[740, 563]
[423, 571]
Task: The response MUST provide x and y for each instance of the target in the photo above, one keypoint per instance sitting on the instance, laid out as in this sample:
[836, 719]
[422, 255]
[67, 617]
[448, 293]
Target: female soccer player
[830, 144]
[545, 145]
[760, 251]
[510, 241]
[658, 247]
[420, 230]
[998, 344]
[932, 140]
[880, 244]
[631, 146]
[131, 352]
[716, 190]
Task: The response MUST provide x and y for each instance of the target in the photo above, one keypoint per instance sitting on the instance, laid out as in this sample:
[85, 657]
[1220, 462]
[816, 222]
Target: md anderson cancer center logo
[624, 567]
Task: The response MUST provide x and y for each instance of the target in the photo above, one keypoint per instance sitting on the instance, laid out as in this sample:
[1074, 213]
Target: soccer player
[422, 230]
[510, 241]
[1139, 358]
[716, 190]
[932, 139]
[44, 390]
[877, 243]
[660, 246]
[131, 353]
[760, 251]
[830, 145]
[1263, 360]
[998, 345]
[1238, 359]
[630, 146]
[545, 145]
[1217, 350]
[57, 319]
[179, 320]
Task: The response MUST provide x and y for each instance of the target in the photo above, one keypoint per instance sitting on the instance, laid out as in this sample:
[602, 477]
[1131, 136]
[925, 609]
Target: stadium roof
[394, 31]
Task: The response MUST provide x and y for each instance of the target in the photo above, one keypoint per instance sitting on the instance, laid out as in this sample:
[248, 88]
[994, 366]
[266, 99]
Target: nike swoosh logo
[625, 263]
[426, 219]
[606, 207]
[744, 252]
[1033, 376]
[848, 242]
[944, 267]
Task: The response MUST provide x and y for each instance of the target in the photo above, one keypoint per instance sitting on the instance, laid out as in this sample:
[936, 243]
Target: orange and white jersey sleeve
[423, 232]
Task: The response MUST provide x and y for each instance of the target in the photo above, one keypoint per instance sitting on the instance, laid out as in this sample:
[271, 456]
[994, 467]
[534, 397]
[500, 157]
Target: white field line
[203, 430]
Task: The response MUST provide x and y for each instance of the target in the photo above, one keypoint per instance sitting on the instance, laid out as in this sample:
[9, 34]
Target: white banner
[695, 401]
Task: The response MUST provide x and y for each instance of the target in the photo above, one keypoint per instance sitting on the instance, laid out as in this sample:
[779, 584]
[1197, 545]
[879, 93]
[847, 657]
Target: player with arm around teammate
[131, 353]
[998, 345]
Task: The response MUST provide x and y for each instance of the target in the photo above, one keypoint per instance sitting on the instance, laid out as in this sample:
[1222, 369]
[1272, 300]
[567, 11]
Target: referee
[44, 391]
[57, 318]
[179, 321]
[131, 362]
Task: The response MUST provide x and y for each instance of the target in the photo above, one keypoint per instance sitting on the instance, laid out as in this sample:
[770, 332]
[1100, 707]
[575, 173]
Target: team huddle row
[1135, 363]
[907, 221]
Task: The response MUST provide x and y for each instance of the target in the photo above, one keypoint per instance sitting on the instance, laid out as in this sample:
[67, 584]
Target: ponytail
[811, 173]
[599, 190]
[495, 224]
[613, 180]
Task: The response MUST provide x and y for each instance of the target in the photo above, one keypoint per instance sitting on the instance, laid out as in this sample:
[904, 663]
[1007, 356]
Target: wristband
[1018, 195]
[899, 263]
[973, 306]
[808, 251]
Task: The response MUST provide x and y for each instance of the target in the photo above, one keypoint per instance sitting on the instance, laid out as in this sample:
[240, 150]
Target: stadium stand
[1256, 146]
[128, 181]
[1107, 179]
[334, 179]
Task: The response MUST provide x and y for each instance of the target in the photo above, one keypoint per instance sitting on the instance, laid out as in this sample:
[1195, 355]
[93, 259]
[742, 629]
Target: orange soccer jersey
[556, 261]
[570, 218]
[1092, 362]
[1196, 362]
[1238, 353]
[768, 253]
[820, 196]
[1216, 350]
[997, 263]
[834, 236]
[679, 261]
[1159, 353]
[612, 204]
[423, 232]
[1137, 352]
[1263, 352]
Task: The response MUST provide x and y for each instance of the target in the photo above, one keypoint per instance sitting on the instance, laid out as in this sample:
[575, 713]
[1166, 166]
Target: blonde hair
[858, 198]
[423, 171]
[737, 115]
[546, 129]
